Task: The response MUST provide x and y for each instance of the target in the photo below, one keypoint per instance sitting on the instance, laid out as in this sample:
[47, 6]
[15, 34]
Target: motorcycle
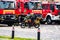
[29, 23]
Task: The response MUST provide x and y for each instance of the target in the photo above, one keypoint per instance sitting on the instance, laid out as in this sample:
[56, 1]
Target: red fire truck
[7, 12]
[10, 11]
[35, 7]
[50, 12]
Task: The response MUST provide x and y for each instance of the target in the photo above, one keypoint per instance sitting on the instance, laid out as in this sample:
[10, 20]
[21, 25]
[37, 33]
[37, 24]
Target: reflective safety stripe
[9, 12]
[37, 11]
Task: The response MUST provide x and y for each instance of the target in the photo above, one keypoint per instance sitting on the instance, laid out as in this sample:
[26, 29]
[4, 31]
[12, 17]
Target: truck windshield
[35, 5]
[7, 5]
[26, 5]
[58, 6]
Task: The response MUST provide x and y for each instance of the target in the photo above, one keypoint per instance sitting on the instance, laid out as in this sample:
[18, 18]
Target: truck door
[52, 8]
[20, 8]
[45, 10]
[26, 8]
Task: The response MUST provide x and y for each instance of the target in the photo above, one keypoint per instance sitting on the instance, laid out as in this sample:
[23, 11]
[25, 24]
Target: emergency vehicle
[11, 11]
[50, 12]
[35, 7]
[7, 12]
[31, 7]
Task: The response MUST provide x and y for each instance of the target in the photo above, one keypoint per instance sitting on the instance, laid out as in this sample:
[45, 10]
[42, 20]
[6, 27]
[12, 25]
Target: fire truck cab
[35, 7]
[29, 7]
[50, 12]
[11, 11]
[7, 12]
[22, 9]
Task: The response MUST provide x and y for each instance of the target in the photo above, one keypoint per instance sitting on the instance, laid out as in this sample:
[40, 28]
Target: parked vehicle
[50, 12]
[7, 12]
[31, 23]
[11, 12]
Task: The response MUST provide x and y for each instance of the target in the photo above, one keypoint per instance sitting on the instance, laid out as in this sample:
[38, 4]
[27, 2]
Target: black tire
[49, 21]
[36, 25]
[22, 25]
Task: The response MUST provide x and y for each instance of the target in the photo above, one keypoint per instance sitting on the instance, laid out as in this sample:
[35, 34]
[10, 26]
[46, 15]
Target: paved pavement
[48, 32]
[19, 32]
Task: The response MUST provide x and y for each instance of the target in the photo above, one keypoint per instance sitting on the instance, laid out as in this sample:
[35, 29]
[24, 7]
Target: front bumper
[8, 18]
[55, 17]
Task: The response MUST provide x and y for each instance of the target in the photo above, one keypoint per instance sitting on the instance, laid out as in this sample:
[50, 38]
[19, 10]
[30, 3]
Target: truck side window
[44, 6]
[26, 5]
[52, 7]
[39, 6]
[31, 5]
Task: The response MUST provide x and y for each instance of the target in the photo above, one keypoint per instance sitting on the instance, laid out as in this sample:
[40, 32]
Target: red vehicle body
[7, 12]
[25, 7]
[21, 9]
[50, 12]
[10, 11]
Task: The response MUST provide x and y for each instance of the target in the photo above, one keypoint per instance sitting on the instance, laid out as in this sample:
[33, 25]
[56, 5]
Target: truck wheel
[49, 21]
[36, 26]
[22, 25]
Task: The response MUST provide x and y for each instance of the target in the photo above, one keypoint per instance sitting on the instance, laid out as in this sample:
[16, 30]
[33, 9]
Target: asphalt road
[48, 32]
[19, 32]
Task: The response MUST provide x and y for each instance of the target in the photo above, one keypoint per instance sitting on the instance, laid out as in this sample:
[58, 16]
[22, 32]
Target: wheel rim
[49, 21]
[22, 26]
[36, 26]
